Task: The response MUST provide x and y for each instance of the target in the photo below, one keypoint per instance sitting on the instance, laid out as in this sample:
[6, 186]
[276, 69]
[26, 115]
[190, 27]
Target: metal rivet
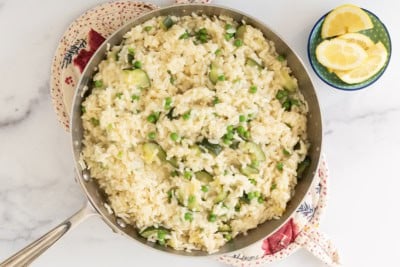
[121, 223]
[85, 176]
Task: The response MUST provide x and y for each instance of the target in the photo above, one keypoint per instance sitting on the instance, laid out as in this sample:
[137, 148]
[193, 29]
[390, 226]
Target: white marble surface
[37, 189]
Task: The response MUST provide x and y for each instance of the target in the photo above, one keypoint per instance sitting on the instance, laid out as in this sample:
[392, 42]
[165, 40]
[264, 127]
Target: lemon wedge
[376, 59]
[358, 38]
[339, 54]
[344, 19]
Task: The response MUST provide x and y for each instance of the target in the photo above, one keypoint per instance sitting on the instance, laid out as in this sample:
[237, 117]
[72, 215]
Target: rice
[205, 149]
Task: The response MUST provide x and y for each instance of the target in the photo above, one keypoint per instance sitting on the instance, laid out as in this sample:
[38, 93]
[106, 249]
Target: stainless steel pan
[96, 198]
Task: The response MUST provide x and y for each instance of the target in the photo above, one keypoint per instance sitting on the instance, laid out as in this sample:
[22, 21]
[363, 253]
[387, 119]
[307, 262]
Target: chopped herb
[285, 152]
[167, 23]
[297, 146]
[170, 114]
[253, 181]
[174, 173]
[148, 28]
[221, 77]
[281, 94]
[120, 154]
[238, 43]
[281, 58]
[218, 52]
[230, 128]
[246, 135]
[152, 135]
[153, 117]
[119, 95]
[188, 216]
[135, 97]
[184, 35]
[227, 236]
[303, 166]
[212, 217]
[186, 115]
[174, 137]
[242, 118]
[279, 166]
[260, 199]
[95, 121]
[172, 78]
[130, 58]
[98, 83]
[83, 109]
[204, 188]
[202, 36]
[287, 105]
[213, 148]
[167, 103]
[273, 186]
[216, 100]
[235, 144]
[253, 89]
[131, 51]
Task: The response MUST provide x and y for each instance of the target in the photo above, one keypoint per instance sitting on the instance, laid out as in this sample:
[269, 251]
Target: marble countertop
[37, 189]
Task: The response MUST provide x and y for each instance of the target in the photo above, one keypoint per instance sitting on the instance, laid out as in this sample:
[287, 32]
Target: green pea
[204, 188]
[212, 217]
[137, 64]
[238, 43]
[98, 83]
[188, 216]
[152, 135]
[253, 89]
[187, 175]
[174, 137]
[242, 118]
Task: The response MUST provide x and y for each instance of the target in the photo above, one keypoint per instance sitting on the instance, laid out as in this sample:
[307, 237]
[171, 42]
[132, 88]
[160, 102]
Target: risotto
[196, 130]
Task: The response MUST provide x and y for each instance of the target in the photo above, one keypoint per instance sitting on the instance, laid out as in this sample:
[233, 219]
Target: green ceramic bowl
[377, 33]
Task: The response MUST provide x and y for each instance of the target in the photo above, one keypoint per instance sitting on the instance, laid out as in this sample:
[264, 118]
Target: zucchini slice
[137, 77]
[213, 75]
[252, 63]
[255, 151]
[203, 176]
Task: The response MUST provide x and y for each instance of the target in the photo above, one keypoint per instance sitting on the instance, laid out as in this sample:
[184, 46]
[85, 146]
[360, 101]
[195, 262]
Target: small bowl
[378, 33]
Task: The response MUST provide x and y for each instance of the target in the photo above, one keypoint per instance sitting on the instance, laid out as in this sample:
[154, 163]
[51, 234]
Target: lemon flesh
[345, 19]
[339, 54]
[376, 59]
[358, 38]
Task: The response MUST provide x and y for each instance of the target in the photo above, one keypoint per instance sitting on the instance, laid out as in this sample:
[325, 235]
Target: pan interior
[314, 128]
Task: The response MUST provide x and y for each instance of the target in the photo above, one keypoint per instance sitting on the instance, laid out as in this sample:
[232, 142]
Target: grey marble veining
[22, 113]
[37, 189]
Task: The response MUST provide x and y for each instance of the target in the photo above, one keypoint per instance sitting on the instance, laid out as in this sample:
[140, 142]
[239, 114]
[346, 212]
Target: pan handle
[28, 254]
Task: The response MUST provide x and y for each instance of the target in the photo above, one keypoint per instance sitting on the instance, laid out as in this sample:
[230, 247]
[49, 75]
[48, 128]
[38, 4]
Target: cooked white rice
[164, 197]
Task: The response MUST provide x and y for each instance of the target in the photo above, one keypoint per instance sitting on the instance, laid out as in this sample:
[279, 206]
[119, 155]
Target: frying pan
[96, 197]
